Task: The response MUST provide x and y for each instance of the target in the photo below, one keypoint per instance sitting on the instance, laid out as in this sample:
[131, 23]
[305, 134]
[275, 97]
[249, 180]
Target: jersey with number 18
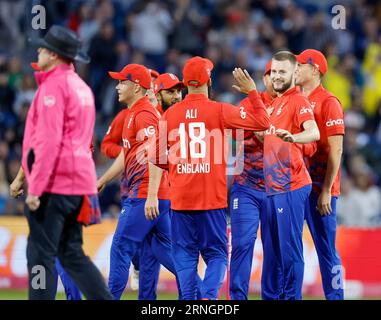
[192, 135]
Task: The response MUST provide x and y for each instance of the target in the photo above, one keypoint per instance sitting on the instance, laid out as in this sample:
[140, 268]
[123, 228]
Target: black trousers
[54, 232]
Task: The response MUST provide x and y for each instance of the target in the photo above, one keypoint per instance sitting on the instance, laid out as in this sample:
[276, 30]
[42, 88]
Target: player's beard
[284, 87]
[165, 105]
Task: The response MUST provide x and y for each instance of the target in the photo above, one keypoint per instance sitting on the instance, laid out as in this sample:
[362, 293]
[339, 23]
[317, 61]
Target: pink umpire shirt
[58, 133]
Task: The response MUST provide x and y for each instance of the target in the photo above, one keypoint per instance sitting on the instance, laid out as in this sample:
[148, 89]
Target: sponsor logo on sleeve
[335, 122]
[305, 110]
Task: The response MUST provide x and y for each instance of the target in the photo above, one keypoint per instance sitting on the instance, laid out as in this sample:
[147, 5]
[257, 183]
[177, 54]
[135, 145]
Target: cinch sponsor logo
[336, 122]
[306, 110]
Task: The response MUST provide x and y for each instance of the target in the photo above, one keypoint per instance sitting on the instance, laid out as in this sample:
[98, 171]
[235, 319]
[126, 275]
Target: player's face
[170, 97]
[282, 75]
[125, 89]
[303, 74]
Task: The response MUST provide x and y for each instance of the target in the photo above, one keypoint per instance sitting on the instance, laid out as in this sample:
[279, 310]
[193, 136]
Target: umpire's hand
[151, 207]
[33, 202]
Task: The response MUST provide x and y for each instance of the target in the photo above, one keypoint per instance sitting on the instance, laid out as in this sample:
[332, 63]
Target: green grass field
[130, 295]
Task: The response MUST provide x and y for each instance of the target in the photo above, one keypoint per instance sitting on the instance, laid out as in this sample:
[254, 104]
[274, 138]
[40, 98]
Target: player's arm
[333, 164]
[331, 109]
[146, 126]
[309, 134]
[110, 145]
[114, 171]
[15, 188]
[158, 147]
[253, 117]
[151, 207]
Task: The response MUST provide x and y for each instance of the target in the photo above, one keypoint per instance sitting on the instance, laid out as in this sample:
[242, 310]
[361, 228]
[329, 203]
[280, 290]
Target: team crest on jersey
[280, 109]
[313, 104]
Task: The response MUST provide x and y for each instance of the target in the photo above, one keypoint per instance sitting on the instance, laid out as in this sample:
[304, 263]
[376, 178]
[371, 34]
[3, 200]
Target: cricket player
[192, 145]
[288, 183]
[167, 91]
[247, 201]
[111, 147]
[147, 185]
[324, 168]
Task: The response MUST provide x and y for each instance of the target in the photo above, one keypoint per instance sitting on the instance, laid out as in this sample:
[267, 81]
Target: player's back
[197, 147]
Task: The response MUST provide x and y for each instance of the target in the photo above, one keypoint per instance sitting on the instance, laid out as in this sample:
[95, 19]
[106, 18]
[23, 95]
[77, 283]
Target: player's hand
[151, 208]
[15, 188]
[33, 202]
[100, 186]
[324, 202]
[245, 82]
[285, 135]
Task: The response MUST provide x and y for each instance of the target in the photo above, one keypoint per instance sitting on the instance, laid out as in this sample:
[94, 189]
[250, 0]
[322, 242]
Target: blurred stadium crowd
[162, 34]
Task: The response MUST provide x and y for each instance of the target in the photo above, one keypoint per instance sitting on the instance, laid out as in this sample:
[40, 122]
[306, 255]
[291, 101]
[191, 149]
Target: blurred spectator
[372, 70]
[339, 79]
[103, 59]
[360, 202]
[149, 34]
[25, 94]
[188, 26]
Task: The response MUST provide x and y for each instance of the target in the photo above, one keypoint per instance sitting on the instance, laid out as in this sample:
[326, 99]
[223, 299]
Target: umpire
[59, 169]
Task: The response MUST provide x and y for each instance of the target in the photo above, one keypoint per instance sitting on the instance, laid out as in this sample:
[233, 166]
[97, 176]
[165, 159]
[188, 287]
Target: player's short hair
[285, 55]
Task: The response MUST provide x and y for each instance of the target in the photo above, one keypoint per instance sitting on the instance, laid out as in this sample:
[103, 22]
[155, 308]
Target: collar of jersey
[41, 76]
[196, 96]
[144, 101]
[316, 91]
[291, 91]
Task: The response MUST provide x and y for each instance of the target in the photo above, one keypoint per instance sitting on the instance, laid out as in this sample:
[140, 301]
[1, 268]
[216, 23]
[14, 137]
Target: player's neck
[135, 99]
[310, 86]
[201, 90]
[279, 94]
